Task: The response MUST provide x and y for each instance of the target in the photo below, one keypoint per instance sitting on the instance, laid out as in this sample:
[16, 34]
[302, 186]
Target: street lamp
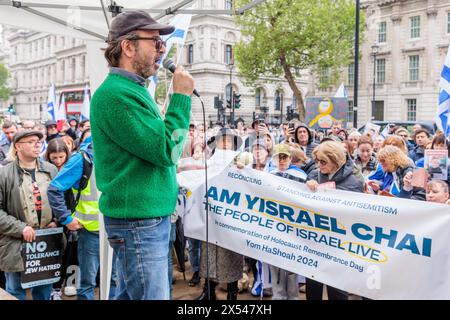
[231, 66]
[374, 54]
[356, 73]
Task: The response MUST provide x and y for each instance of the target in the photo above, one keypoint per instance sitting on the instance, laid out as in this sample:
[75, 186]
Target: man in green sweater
[136, 151]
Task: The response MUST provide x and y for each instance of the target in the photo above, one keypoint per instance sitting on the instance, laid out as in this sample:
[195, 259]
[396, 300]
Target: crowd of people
[49, 162]
[380, 164]
[49, 179]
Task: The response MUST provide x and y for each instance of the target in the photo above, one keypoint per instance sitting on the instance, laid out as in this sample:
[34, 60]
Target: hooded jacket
[311, 144]
[344, 178]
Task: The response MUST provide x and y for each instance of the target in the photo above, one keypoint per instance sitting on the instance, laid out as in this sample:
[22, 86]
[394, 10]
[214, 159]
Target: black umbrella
[179, 245]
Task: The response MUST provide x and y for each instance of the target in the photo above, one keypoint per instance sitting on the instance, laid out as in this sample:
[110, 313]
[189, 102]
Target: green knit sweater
[135, 149]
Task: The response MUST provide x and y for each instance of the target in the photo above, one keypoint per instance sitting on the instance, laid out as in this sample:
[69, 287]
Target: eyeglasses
[36, 143]
[283, 156]
[321, 162]
[159, 43]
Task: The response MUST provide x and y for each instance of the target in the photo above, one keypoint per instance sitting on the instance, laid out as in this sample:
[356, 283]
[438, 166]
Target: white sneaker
[56, 295]
[70, 291]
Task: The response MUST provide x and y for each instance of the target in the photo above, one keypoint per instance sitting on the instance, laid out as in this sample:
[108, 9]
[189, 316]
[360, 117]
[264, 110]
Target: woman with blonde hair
[334, 165]
[397, 141]
[395, 164]
[353, 138]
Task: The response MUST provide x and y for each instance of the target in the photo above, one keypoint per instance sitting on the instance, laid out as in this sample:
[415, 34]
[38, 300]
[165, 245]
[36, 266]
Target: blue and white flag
[442, 117]
[341, 92]
[51, 103]
[85, 109]
[181, 23]
[60, 113]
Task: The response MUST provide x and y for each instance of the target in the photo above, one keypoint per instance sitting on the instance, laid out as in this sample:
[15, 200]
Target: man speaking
[136, 151]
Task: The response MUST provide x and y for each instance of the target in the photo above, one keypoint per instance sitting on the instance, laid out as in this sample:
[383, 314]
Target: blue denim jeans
[142, 248]
[89, 263]
[173, 235]
[14, 288]
[194, 254]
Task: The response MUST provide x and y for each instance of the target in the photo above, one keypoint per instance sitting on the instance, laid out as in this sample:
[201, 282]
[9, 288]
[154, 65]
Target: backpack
[69, 196]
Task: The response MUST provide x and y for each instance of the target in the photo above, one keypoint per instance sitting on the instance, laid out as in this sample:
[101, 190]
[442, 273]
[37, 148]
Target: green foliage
[282, 35]
[316, 33]
[4, 90]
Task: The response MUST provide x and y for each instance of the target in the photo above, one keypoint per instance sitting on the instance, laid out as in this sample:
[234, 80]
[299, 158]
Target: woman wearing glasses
[334, 165]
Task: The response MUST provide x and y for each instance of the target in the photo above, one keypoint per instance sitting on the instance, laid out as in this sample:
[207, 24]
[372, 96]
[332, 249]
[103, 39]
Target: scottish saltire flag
[85, 109]
[60, 113]
[181, 23]
[341, 92]
[442, 117]
[51, 103]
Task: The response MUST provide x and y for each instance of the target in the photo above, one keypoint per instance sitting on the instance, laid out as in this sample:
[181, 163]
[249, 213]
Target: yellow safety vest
[87, 209]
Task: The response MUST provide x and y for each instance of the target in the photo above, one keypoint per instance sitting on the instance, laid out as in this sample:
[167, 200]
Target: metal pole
[374, 73]
[355, 83]
[231, 97]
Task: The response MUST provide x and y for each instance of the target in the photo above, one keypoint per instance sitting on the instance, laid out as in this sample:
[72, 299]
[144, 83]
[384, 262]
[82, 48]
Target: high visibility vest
[87, 209]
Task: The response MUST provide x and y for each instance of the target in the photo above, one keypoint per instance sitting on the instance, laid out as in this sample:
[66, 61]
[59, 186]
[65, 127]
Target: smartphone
[291, 126]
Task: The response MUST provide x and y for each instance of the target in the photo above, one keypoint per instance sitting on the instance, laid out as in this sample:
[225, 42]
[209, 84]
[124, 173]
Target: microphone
[169, 65]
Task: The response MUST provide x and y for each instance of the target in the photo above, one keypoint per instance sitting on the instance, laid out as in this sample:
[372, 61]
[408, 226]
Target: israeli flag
[181, 23]
[60, 113]
[85, 109]
[51, 103]
[341, 92]
[442, 116]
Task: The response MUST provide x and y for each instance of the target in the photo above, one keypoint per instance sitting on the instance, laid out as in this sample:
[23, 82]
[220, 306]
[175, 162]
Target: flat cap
[26, 133]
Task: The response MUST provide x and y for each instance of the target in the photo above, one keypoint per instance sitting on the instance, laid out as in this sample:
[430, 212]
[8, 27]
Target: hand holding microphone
[182, 81]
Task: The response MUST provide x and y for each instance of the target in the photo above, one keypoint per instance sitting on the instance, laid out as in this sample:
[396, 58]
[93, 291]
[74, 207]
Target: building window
[258, 97]
[381, 70]
[324, 77]
[415, 27]
[413, 68]
[228, 4]
[190, 54]
[278, 100]
[448, 22]
[228, 54]
[351, 74]
[350, 111]
[382, 32]
[412, 109]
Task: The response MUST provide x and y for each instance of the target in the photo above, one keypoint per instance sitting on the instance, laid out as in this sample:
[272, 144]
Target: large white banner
[373, 246]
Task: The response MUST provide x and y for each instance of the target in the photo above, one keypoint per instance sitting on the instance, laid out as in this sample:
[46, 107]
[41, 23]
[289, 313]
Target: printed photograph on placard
[372, 130]
[436, 162]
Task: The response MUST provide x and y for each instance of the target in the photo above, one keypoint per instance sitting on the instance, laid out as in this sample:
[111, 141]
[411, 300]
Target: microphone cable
[207, 200]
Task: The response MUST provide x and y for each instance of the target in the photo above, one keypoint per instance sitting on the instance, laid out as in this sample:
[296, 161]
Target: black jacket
[344, 178]
[309, 166]
[311, 144]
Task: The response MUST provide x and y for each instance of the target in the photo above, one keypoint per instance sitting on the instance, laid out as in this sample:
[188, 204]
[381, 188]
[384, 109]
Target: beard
[144, 65]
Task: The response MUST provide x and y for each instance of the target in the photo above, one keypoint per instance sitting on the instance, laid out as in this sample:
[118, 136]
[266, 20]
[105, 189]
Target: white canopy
[89, 20]
[84, 19]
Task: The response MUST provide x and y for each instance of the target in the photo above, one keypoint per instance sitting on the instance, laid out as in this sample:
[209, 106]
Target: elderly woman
[224, 265]
[333, 166]
[395, 164]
